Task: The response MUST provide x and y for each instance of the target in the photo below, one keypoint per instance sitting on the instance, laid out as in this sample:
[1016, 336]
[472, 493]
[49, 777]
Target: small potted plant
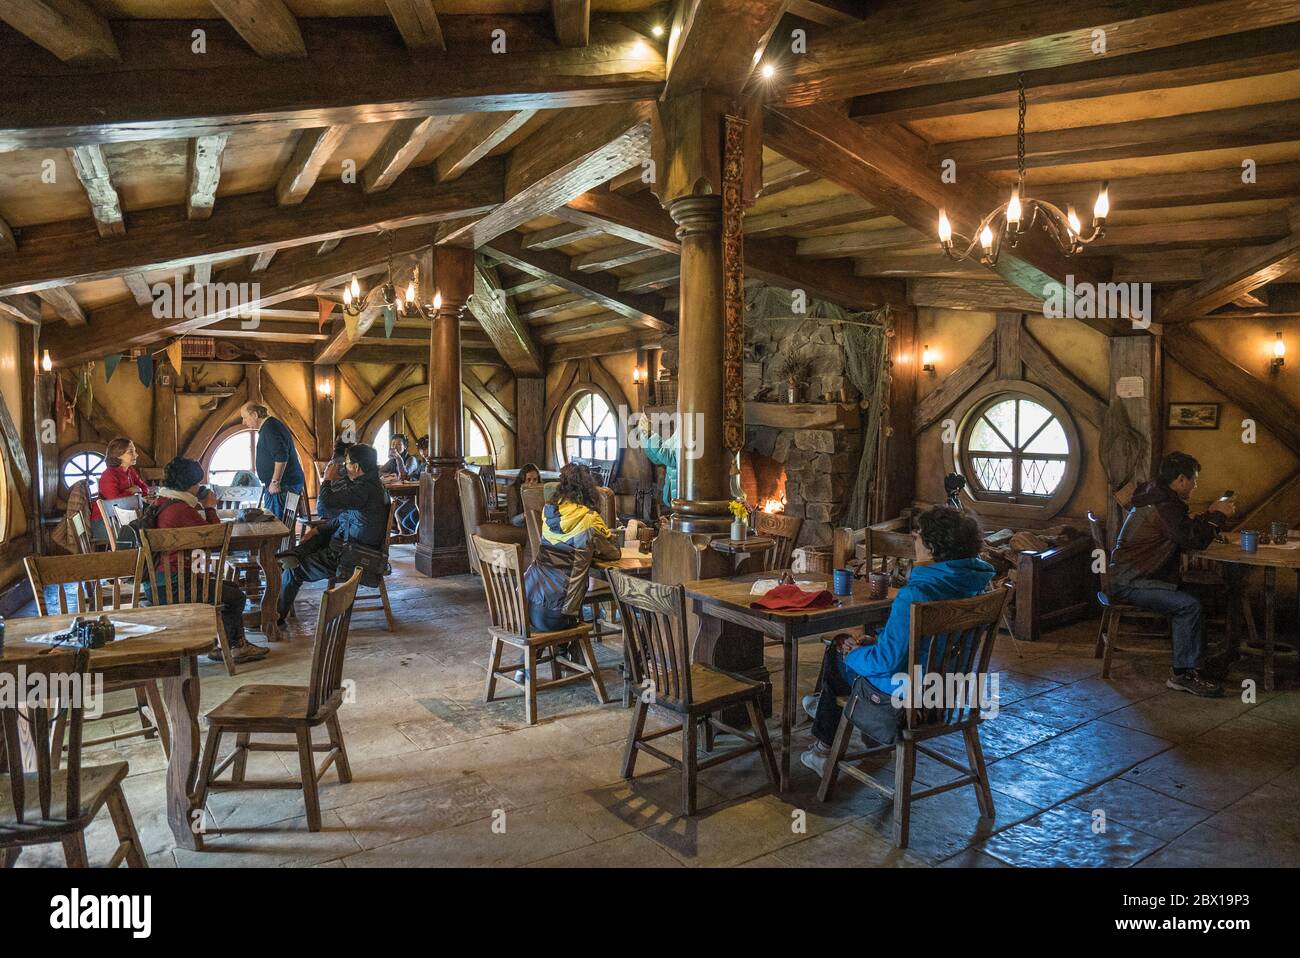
[795, 370]
[740, 519]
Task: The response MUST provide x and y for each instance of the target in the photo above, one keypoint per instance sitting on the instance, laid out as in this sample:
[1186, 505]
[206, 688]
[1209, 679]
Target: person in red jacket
[119, 480]
[178, 507]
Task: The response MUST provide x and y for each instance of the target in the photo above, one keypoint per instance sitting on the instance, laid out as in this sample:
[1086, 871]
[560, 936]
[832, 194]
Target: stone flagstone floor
[1084, 772]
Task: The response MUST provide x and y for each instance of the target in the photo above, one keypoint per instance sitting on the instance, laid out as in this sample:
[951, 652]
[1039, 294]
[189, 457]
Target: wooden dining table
[1270, 558]
[169, 656]
[263, 540]
[723, 603]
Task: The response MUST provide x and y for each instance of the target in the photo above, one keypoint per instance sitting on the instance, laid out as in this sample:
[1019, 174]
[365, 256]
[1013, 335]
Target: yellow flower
[738, 509]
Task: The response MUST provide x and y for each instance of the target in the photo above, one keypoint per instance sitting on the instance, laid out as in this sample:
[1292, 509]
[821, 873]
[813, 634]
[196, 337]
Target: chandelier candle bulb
[986, 239]
[1101, 209]
[1014, 212]
[945, 230]
[47, 365]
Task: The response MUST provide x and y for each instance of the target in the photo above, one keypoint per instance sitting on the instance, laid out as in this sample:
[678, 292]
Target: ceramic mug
[1278, 531]
[1249, 540]
[843, 582]
[879, 584]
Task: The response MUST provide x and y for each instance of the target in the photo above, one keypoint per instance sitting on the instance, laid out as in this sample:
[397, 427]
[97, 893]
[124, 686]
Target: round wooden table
[170, 656]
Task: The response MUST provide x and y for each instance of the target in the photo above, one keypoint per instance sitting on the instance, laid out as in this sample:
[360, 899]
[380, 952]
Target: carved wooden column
[688, 155]
[440, 549]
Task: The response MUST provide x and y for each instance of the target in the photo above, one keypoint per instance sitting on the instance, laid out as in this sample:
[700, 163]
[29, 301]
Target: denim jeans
[876, 717]
[274, 502]
[1187, 618]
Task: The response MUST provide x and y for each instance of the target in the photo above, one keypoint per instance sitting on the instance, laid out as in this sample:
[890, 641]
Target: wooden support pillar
[449, 272]
[896, 459]
[1136, 373]
[530, 421]
[165, 438]
[325, 387]
[688, 154]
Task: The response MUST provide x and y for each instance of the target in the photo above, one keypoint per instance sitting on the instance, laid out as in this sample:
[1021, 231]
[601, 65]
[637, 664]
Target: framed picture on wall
[1193, 415]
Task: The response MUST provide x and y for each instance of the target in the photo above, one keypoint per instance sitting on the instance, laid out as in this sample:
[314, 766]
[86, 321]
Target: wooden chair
[51, 804]
[655, 633]
[501, 566]
[289, 709]
[598, 593]
[534, 501]
[474, 517]
[101, 581]
[492, 497]
[782, 529]
[952, 640]
[890, 552]
[112, 511]
[203, 554]
[1113, 613]
[81, 534]
[379, 601]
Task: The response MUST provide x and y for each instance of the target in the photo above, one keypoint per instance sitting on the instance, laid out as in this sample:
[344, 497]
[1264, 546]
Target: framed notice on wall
[1193, 415]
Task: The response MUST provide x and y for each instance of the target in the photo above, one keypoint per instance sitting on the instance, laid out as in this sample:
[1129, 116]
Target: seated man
[1144, 568]
[948, 566]
[360, 514]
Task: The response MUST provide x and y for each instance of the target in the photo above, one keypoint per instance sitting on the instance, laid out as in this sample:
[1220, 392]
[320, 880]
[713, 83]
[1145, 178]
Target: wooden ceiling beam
[604, 346]
[912, 43]
[1232, 275]
[600, 288]
[23, 309]
[1230, 128]
[1162, 190]
[888, 166]
[165, 92]
[1232, 231]
[836, 211]
[417, 22]
[402, 144]
[572, 20]
[1252, 53]
[310, 154]
[296, 273]
[549, 306]
[105, 205]
[73, 30]
[243, 226]
[665, 273]
[570, 155]
[597, 323]
[561, 235]
[989, 295]
[139, 287]
[496, 314]
[204, 164]
[63, 304]
[714, 44]
[485, 132]
[266, 25]
[620, 254]
[7, 242]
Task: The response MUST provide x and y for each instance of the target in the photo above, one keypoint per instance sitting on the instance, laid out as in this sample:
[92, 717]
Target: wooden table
[263, 539]
[170, 656]
[1270, 559]
[632, 560]
[721, 601]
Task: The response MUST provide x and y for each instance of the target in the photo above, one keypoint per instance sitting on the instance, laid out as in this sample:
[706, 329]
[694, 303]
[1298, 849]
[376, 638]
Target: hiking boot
[1216, 667]
[248, 652]
[1191, 681]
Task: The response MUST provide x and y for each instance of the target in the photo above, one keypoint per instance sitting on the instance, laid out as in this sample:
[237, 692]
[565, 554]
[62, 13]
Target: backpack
[148, 517]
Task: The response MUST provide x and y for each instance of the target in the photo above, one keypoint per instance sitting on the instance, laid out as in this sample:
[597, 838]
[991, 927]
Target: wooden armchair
[949, 640]
[51, 804]
[672, 686]
[474, 514]
[1113, 612]
[199, 554]
[784, 531]
[289, 709]
[101, 582]
[501, 565]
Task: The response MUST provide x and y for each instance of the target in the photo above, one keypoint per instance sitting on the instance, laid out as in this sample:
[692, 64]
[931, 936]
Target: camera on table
[91, 633]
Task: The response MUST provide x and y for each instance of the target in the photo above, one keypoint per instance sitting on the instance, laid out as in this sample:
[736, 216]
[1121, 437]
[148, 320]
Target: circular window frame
[76, 449]
[957, 456]
[566, 407]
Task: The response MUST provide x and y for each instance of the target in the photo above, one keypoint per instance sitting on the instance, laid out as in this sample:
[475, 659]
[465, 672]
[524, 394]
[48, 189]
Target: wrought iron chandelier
[1006, 224]
[354, 303]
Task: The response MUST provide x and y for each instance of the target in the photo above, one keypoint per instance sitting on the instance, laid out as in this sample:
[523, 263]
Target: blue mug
[1250, 540]
[843, 582]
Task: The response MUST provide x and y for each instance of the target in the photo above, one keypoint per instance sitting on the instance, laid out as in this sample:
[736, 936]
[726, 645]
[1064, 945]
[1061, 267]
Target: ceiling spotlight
[768, 71]
[657, 29]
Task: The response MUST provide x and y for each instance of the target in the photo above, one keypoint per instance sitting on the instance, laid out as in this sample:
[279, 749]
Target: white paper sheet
[764, 586]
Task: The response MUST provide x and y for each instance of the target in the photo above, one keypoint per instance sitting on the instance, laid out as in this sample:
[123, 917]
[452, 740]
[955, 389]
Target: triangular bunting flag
[175, 352]
[324, 307]
[144, 366]
[110, 365]
[350, 325]
[390, 320]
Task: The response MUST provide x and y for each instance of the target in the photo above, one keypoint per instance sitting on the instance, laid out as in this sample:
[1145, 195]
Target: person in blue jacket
[661, 452]
[948, 566]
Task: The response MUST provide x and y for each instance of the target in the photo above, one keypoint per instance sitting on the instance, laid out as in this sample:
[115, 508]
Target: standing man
[1144, 567]
[278, 468]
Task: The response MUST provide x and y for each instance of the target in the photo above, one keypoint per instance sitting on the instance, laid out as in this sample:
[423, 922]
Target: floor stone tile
[1139, 807]
[1094, 752]
[1070, 837]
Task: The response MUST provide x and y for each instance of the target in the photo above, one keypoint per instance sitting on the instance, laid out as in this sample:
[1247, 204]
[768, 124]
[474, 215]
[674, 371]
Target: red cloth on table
[787, 597]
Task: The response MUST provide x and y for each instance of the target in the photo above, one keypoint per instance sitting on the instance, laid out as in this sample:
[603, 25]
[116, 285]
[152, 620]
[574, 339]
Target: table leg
[271, 594]
[1270, 624]
[181, 693]
[790, 702]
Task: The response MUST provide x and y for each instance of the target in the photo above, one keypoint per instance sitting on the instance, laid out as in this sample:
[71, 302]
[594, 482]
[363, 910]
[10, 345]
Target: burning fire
[774, 505]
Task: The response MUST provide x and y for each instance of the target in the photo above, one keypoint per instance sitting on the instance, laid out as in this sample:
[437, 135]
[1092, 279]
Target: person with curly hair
[948, 566]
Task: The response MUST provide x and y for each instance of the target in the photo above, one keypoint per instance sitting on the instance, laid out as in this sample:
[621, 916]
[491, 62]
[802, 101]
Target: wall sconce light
[325, 388]
[1279, 354]
[927, 360]
[47, 364]
[636, 375]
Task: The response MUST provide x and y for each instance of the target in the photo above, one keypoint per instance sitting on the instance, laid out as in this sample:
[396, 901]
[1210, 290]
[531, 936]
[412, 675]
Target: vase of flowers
[795, 370]
[740, 519]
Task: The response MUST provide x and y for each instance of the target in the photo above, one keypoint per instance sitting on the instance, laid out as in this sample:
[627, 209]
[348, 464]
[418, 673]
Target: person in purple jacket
[948, 566]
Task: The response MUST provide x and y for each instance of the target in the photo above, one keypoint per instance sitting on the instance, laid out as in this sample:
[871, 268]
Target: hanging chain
[1020, 134]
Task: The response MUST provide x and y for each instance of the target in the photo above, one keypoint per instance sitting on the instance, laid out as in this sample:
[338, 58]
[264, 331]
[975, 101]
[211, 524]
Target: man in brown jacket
[1144, 567]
